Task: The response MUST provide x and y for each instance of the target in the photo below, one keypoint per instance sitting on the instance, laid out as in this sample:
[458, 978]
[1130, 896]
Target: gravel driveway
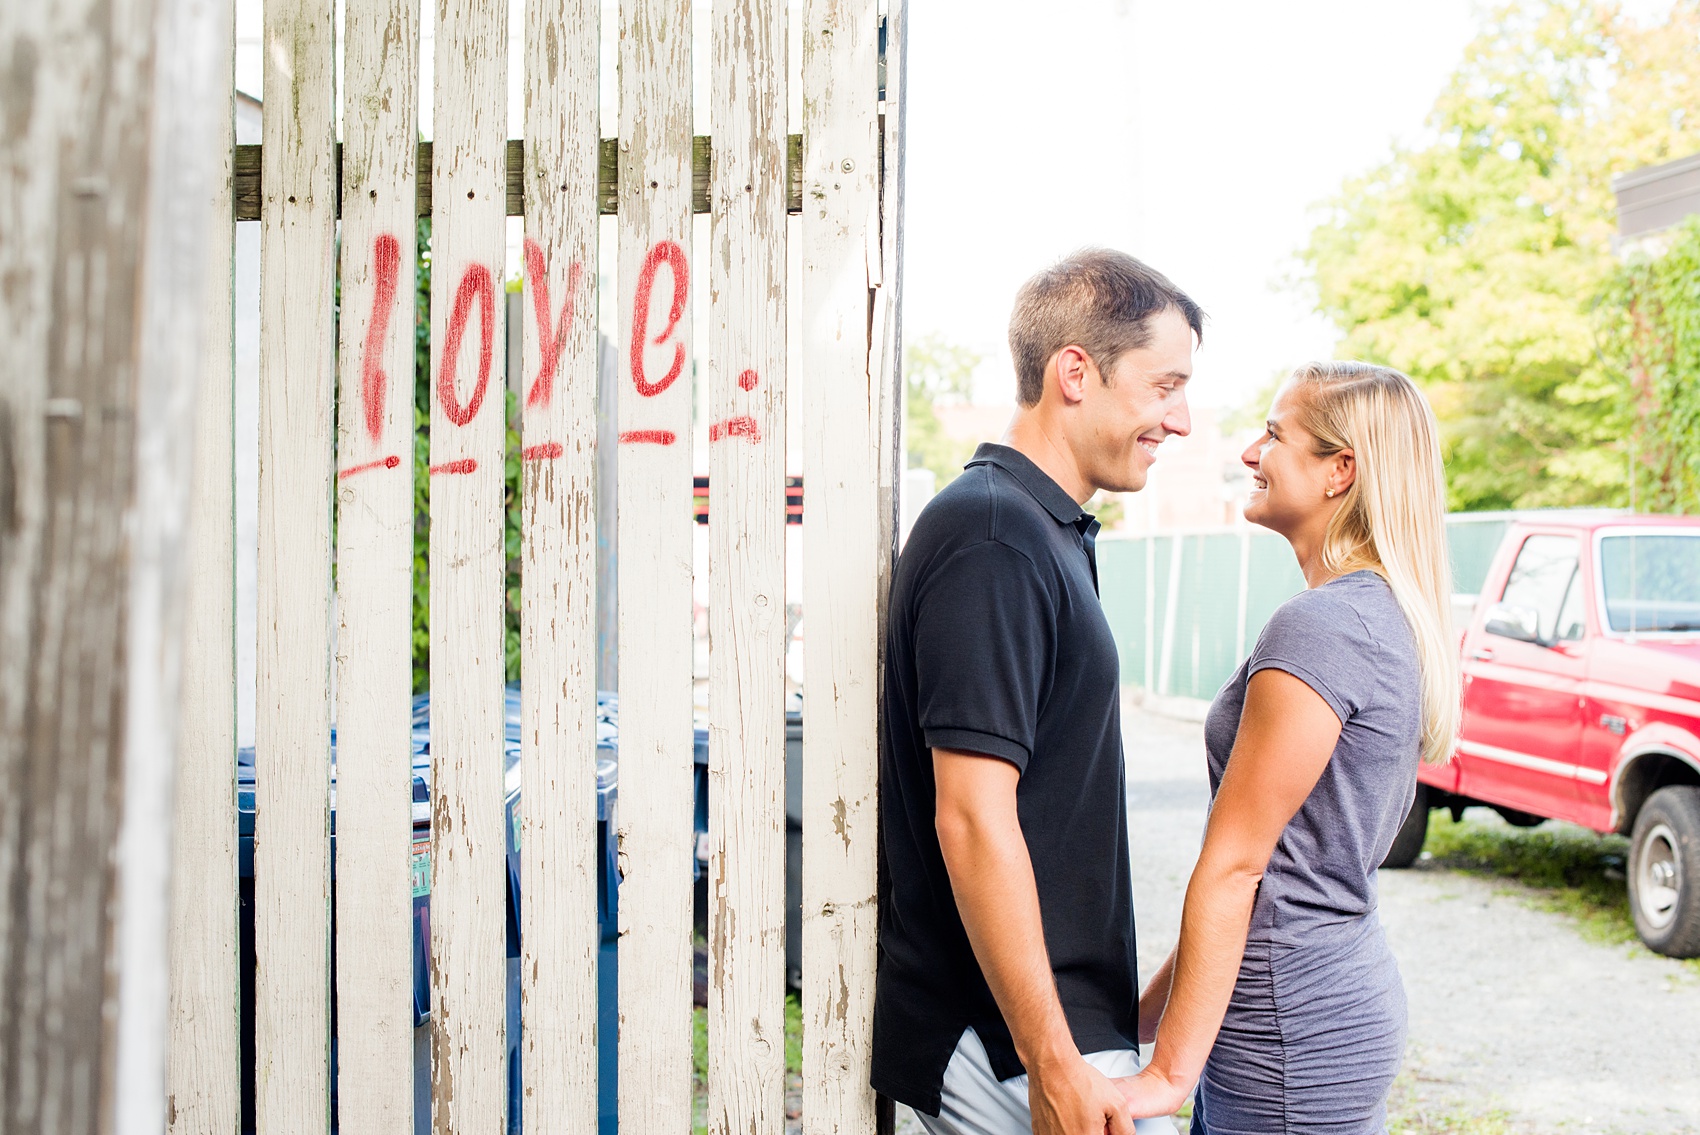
[1518, 1023]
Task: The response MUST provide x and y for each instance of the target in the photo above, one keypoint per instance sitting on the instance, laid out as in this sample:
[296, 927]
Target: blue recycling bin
[607, 906]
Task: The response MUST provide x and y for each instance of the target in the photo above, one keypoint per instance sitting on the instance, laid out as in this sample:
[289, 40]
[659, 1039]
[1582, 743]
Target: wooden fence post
[841, 415]
[374, 575]
[746, 528]
[656, 380]
[103, 179]
[292, 710]
[203, 1075]
[468, 428]
[558, 928]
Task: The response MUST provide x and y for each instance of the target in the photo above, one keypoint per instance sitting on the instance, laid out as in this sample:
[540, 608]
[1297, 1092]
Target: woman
[1281, 1000]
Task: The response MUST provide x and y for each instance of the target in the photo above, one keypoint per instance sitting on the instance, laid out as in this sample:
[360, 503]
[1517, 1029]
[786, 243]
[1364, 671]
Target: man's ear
[1073, 366]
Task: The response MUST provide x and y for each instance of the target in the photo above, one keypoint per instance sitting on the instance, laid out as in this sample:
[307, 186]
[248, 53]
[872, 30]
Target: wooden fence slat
[746, 408]
[204, 1062]
[468, 421]
[886, 322]
[374, 894]
[292, 703]
[655, 539]
[841, 551]
[558, 614]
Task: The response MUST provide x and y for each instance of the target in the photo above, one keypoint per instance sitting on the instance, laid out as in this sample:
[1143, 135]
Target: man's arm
[1156, 998]
[991, 875]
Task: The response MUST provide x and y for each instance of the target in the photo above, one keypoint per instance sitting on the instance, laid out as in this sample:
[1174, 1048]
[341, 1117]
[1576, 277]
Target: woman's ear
[1344, 472]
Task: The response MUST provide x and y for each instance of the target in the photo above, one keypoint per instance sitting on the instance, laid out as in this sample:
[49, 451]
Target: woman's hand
[1151, 1093]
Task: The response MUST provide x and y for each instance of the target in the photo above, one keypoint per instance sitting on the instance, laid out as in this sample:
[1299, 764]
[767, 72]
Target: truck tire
[1519, 819]
[1664, 871]
[1408, 844]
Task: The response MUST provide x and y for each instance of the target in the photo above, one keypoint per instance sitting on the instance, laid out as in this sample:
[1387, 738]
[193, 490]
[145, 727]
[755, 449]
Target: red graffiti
[389, 462]
[673, 256]
[551, 340]
[464, 465]
[741, 426]
[474, 285]
[749, 380]
[547, 451]
[649, 437]
[386, 266]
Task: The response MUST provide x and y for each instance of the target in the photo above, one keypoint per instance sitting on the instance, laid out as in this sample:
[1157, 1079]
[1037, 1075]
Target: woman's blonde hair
[1392, 519]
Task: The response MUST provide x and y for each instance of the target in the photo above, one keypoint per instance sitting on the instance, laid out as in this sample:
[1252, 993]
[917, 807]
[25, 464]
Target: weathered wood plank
[96, 408]
[841, 410]
[886, 324]
[558, 609]
[655, 538]
[184, 95]
[204, 1069]
[292, 704]
[374, 531]
[746, 408]
[247, 199]
[468, 837]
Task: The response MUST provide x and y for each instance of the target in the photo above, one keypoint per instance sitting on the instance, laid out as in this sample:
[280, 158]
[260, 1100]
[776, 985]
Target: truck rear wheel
[1664, 871]
[1408, 844]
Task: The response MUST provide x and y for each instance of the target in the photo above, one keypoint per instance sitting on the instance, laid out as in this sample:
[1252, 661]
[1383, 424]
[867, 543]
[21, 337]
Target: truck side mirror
[1510, 621]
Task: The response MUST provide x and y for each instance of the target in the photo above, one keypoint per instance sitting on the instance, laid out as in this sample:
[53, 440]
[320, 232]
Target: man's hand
[1070, 1097]
[1150, 1093]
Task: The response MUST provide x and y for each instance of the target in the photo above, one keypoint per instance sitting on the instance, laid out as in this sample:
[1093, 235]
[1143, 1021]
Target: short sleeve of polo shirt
[985, 640]
[1322, 641]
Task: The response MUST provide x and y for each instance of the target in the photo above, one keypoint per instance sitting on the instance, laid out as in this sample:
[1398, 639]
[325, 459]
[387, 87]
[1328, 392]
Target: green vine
[1654, 332]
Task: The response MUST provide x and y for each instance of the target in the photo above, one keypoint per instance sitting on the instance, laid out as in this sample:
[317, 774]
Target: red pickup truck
[1581, 669]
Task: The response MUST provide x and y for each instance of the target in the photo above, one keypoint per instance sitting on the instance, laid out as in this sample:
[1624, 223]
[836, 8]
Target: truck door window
[1542, 579]
[1652, 581]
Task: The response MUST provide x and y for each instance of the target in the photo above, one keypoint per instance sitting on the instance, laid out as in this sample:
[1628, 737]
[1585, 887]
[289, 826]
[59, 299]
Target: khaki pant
[975, 1102]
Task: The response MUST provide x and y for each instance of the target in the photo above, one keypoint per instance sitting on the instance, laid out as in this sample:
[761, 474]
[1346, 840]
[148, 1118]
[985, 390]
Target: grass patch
[1571, 870]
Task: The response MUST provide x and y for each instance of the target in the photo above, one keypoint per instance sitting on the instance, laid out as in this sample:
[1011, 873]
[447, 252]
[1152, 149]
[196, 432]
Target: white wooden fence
[844, 182]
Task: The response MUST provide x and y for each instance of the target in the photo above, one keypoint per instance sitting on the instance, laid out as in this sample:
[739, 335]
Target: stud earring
[1330, 492]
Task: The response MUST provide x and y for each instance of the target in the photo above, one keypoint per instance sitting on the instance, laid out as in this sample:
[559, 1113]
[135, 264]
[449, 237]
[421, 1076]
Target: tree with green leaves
[936, 370]
[1477, 263]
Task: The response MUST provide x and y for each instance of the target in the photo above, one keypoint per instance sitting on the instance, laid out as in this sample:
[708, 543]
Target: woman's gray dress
[1316, 1027]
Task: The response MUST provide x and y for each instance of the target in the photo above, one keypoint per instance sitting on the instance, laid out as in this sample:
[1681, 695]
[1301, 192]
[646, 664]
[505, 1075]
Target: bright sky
[1195, 135]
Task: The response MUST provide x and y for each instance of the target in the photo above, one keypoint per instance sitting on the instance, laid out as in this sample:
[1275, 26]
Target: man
[1006, 938]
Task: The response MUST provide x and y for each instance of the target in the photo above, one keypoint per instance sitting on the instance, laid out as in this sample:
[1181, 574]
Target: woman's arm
[1286, 735]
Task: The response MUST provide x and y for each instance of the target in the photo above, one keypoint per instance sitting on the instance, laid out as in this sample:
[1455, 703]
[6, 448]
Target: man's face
[1120, 424]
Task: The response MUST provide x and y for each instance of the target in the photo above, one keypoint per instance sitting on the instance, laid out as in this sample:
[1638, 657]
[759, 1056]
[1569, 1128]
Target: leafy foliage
[1474, 263]
[1653, 325]
[936, 370]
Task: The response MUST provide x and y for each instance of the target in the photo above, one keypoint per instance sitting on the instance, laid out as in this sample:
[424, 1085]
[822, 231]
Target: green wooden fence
[1186, 607]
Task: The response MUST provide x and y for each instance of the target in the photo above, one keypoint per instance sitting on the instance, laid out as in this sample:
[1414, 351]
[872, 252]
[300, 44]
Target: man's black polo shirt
[998, 645]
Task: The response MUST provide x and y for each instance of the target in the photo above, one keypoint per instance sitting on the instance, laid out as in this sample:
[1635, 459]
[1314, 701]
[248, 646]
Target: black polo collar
[1047, 492]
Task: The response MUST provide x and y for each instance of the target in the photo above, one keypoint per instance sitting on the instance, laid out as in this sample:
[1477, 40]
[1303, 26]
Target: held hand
[1151, 1094]
[1071, 1097]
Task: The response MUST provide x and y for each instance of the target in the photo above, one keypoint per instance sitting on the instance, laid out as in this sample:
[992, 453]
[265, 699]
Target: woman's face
[1290, 483]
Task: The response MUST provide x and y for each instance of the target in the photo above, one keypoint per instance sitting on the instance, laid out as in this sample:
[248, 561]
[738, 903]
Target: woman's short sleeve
[1321, 640]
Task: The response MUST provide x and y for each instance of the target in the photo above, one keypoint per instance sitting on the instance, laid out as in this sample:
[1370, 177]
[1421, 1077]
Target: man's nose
[1178, 420]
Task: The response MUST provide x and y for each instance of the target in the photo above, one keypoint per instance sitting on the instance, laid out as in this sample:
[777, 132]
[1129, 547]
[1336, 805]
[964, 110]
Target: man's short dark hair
[1099, 299]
